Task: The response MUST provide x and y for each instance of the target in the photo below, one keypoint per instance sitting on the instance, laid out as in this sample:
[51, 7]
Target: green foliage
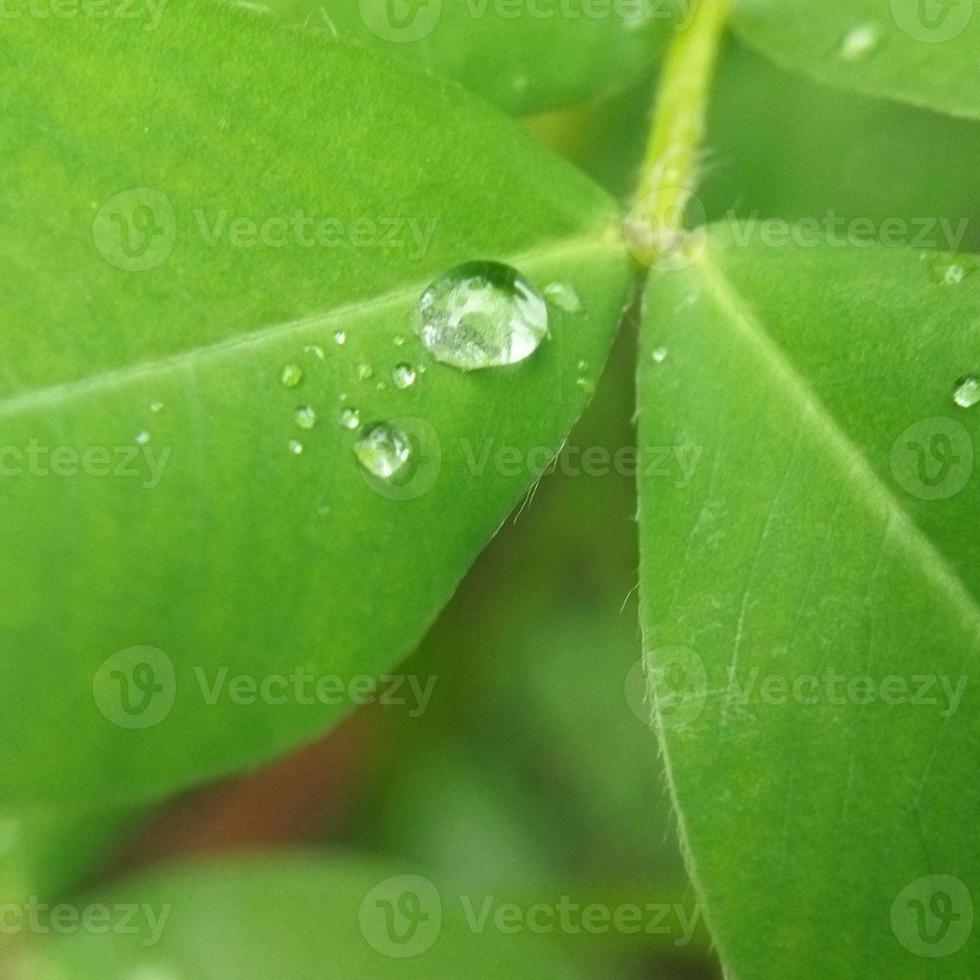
[220, 222]
[811, 632]
[920, 51]
[523, 57]
[289, 917]
[228, 551]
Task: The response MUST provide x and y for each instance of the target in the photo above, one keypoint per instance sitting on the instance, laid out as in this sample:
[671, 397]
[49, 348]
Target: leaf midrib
[878, 495]
[597, 239]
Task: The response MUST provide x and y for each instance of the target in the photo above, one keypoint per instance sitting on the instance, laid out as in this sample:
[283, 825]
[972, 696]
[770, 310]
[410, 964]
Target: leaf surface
[920, 51]
[810, 600]
[297, 916]
[524, 57]
[160, 281]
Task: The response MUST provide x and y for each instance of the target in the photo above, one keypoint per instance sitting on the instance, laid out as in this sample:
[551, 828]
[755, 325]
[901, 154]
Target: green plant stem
[669, 176]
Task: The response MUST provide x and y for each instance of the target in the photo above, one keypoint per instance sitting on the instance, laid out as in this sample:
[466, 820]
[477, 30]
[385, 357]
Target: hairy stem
[669, 176]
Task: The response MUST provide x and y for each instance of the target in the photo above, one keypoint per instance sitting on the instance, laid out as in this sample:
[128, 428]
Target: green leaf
[811, 599]
[525, 57]
[919, 51]
[204, 541]
[299, 917]
[812, 151]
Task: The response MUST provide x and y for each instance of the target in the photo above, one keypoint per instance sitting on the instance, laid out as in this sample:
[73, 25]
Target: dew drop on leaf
[404, 376]
[340, 337]
[660, 355]
[292, 375]
[564, 296]
[142, 437]
[859, 43]
[156, 407]
[951, 272]
[482, 315]
[350, 418]
[383, 450]
[365, 372]
[967, 393]
[295, 447]
[305, 417]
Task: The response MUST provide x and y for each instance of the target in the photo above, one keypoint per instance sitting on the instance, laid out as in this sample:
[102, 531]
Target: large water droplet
[305, 417]
[860, 42]
[564, 296]
[481, 315]
[350, 418]
[967, 393]
[383, 450]
[404, 376]
[292, 375]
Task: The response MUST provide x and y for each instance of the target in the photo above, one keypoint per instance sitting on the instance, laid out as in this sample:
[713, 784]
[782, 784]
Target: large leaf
[300, 917]
[524, 57]
[920, 51]
[811, 600]
[227, 552]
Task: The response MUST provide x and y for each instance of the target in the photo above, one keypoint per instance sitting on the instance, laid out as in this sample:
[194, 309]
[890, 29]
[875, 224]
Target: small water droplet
[295, 447]
[564, 296]
[156, 407]
[350, 418]
[340, 337]
[292, 375]
[404, 376]
[583, 365]
[587, 385]
[660, 355]
[315, 350]
[399, 341]
[860, 42]
[365, 372]
[305, 417]
[383, 450]
[142, 437]
[967, 393]
[482, 315]
[952, 271]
